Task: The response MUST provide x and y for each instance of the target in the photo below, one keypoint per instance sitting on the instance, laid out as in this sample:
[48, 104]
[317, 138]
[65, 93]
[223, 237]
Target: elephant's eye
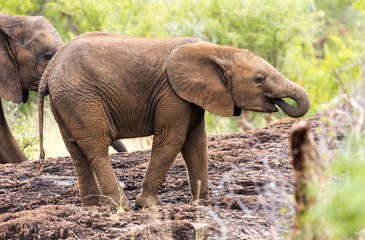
[48, 56]
[260, 79]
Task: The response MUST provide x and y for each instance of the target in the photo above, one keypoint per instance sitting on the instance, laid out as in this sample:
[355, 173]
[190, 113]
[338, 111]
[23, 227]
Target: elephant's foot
[123, 203]
[203, 195]
[90, 200]
[204, 198]
[147, 200]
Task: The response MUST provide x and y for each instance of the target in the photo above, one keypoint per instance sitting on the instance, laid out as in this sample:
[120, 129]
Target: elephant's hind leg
[88, 137]
[89, 190]
[112, 193]
[95, 148]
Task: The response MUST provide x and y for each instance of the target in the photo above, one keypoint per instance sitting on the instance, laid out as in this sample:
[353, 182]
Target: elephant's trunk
[299, 95]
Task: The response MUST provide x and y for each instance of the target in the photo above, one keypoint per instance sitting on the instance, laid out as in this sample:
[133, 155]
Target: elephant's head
[224, 80]
[27, 44]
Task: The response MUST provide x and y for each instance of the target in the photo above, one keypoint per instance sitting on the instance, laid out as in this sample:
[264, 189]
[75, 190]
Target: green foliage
[267, 28]
[320, 70]
[82, 16]
[359, 4]
[342, 16]
[342, 212]
[220, 125]
[24, 132]
[19, 7]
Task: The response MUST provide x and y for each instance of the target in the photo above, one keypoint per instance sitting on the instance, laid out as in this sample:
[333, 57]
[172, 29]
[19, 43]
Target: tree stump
[309, 180]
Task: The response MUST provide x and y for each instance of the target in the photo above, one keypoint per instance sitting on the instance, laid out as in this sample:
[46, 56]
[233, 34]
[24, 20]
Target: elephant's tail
[42, 91]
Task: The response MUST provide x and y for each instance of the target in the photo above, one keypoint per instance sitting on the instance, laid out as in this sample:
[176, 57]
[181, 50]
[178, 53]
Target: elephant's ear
[10, 87]
[196, 73]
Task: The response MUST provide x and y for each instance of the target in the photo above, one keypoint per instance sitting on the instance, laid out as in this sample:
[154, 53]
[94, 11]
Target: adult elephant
[104, 87]
[27, 44]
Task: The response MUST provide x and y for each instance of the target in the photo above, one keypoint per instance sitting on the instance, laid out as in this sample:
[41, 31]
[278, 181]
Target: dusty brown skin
[26, 46]
[104, 87]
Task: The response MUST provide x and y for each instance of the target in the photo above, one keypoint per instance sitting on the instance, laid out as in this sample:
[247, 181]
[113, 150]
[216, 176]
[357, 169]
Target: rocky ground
[250, 177]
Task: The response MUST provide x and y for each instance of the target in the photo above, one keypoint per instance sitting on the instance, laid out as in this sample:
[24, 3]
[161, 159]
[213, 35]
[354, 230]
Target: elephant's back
[102, 55]
[111, 64]
[115, 46]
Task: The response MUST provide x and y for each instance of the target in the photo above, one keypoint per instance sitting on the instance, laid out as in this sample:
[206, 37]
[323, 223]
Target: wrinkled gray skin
[26, 46]
[104, 87]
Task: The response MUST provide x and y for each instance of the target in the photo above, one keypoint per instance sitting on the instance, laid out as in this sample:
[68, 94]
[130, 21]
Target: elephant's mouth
[267, 106]
[237, 111]
[279, 102]
[271, 104]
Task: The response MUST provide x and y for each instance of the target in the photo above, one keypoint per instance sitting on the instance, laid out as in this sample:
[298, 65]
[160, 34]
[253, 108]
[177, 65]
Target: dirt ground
[250, 178]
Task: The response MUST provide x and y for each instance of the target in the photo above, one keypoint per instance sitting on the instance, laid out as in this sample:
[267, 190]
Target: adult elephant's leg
[10, 151]
[195, 156]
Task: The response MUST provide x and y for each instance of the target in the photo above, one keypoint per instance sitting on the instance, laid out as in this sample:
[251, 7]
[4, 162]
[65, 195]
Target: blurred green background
[319, 44]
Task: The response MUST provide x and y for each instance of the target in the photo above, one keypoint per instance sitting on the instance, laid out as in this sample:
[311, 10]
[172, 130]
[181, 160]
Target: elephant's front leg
[171, 124]
[195, 156]
[164, 150]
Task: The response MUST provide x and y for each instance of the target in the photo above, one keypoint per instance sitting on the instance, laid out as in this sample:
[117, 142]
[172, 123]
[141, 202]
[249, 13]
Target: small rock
[64, 233]
[230, 159]
[178, 216]
[170, 179]
[198, 225]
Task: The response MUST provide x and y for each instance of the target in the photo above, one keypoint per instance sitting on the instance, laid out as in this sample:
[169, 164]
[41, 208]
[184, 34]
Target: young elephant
[27, 44]
[104, 87]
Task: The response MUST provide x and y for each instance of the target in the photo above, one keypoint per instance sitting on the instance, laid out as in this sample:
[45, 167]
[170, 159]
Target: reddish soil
[250, 177]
